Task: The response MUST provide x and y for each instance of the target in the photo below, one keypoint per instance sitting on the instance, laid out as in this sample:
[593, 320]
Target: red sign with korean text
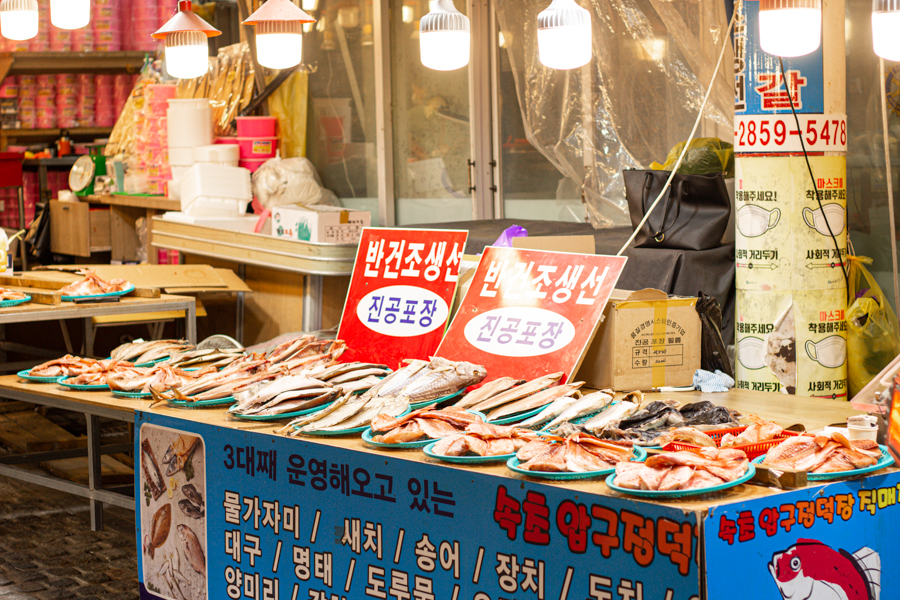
[529, 313]
[400, 294]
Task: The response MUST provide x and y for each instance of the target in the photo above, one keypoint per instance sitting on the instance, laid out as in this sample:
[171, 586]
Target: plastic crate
[751, 450]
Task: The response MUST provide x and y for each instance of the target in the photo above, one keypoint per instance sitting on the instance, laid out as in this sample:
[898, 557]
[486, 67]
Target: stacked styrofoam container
[215, 191]
[66, 101]
[106, 21]
[27, 101]
[86, 98]
[105, 106]
[189, 125]
[45, 102]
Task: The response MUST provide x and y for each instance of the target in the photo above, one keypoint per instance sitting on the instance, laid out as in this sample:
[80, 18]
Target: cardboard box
[646, 340]
[328, 224]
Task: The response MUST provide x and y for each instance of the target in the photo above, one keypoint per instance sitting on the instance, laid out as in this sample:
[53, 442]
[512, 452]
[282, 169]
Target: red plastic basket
[751, 450]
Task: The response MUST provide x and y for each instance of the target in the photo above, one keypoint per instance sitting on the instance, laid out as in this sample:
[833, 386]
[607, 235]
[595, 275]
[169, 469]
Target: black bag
[693, 216]
[713, 354]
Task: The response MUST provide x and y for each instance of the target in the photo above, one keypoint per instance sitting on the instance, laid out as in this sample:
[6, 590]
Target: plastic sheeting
[638, 97]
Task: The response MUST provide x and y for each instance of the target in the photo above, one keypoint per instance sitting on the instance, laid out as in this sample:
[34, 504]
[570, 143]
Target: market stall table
[319, 478]
[32, 312]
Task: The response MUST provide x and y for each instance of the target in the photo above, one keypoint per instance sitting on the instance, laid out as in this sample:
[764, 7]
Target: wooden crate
[79, 228]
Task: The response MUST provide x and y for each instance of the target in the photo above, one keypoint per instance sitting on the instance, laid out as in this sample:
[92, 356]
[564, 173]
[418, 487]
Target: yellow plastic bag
[873, 336]
[289, 103]
[704, 155]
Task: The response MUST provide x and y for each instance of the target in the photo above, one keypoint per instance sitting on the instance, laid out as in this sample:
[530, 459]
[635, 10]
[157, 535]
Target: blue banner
[225, 513]
[758, 84]
[819, 543]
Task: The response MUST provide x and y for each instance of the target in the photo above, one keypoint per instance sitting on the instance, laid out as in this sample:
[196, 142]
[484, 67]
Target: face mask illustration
[753, 221]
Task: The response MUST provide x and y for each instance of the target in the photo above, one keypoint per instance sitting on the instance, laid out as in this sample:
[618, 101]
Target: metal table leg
[95, 473]
[239, 318]
[312, 303]
[89, 334]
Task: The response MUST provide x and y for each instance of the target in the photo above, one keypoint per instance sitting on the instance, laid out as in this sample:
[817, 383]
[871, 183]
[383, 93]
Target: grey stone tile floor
[48, 551]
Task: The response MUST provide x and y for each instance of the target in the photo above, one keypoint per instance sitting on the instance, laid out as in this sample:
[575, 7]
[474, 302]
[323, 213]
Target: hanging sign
[400, 294]
[530, 312]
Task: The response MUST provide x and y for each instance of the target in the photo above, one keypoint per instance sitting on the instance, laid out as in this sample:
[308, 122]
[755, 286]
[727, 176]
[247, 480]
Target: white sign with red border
[775, 134]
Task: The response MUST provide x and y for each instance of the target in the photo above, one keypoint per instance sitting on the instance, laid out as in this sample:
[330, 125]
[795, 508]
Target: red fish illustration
[810, 570]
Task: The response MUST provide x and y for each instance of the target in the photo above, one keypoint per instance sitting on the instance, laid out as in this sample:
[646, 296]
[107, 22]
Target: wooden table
[125, 210]
[31, 312]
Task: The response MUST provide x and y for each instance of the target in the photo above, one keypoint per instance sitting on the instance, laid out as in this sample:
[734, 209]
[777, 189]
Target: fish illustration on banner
[810, 570]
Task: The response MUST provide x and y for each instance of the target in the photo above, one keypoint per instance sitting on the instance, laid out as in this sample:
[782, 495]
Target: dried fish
[488, 390]
[159, 528]
[519, 392]
[587, 405]
[535, 400]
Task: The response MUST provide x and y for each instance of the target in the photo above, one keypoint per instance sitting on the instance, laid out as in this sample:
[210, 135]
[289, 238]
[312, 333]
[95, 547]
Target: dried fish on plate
[534, 400]
[348, 412]
[67, 366]
[492, 388]
[823, 454]
[7, 294]
[92, 285]
[439, 378]
[485, 439]
[160, 378]
[143, 352]
[578, 453]
[684, 470]
[214, 357]
[518, 392]
[685, 434]
[759, 431]
[420, 424]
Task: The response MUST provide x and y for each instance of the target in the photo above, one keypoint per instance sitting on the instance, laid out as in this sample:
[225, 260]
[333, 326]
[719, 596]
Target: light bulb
[444, 38]
[564, 35]
[279, 44]
[70, 14]
[19, 19]
[187, 54]
[886, 30]
[790, 27]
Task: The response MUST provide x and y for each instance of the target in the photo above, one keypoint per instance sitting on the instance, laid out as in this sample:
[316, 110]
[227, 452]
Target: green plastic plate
[8, 303]
[611, 482]
[467, 460]
[513, 465]
[368, 434]
[24, 375]
[82, 388]
[132, 395]
[201, 403]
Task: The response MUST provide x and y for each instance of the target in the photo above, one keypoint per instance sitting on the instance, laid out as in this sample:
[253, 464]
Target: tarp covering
[636, 99]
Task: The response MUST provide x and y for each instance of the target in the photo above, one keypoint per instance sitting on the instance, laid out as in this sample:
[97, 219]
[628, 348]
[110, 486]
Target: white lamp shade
[444, 50]
[19, 19]
[564, 35]
[279, 44]
[70, 14]
[187, 54]
[444, 38]
[886, 34]
[790, 32]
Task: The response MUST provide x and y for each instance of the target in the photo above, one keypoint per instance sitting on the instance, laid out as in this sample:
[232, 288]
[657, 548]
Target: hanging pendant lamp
[19, 19]
[444, 37]
[279, 33]
[564, 35]
[187, 42]
[70, 14]
[790, 27]
[886, 29]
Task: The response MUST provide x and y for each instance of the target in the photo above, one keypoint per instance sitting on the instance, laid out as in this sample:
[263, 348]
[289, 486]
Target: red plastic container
[751, 450]
[258, 147]
[256, 127]
[252, 164]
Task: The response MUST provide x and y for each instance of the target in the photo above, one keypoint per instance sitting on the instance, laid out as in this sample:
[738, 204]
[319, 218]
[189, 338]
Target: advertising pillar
[790, 331]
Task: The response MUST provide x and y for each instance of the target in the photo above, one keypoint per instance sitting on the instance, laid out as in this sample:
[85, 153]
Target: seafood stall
[293, 472]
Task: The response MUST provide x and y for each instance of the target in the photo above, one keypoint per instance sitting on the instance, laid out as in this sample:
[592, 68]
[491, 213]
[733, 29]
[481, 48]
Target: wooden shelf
[50, 133]
[45, 63]
[151, 202]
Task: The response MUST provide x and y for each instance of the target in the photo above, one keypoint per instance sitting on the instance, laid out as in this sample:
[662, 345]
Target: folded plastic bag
[290, 181]
[506, 238]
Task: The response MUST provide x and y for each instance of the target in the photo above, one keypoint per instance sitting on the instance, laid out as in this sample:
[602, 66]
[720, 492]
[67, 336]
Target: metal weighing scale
[86, 170]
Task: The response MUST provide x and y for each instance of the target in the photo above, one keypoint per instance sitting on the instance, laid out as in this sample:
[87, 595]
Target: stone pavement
[48, 551]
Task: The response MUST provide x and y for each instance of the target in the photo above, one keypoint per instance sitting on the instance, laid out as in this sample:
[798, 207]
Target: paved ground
[48, 551]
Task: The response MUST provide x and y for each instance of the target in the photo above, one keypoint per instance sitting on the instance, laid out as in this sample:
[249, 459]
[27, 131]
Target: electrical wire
[726, 41]
[813, 179]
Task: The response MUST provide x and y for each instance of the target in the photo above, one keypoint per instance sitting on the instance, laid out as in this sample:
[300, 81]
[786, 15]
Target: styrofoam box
[214, 190]
[244, 223]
